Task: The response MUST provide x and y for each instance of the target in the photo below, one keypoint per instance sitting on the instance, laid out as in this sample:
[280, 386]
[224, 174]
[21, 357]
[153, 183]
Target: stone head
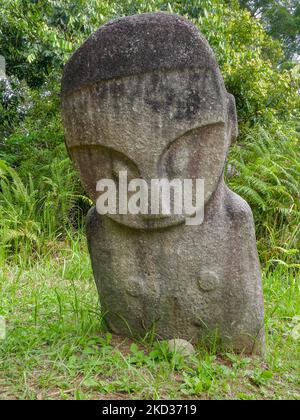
[144, 94]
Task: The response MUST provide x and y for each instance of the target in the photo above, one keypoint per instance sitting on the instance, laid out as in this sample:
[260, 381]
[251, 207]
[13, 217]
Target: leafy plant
[265, 170]
[29, 217]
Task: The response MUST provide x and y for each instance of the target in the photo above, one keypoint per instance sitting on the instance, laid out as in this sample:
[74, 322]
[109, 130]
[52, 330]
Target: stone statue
[144, 94]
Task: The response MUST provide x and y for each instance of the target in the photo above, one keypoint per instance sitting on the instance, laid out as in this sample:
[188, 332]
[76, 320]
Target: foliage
[38, 132]
[37, 36]
[281, 20]
[13, 106]
[30, 217]
[266, 172]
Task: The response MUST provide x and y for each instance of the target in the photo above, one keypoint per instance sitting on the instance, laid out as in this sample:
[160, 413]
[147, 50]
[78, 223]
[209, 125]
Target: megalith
[144, 96]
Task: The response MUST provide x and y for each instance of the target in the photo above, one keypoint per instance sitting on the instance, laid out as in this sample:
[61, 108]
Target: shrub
[265, 170]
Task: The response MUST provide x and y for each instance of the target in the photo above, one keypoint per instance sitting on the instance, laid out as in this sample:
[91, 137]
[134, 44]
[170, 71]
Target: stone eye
[120, 164]
[189, 156]
[178, 163]
[176, 159]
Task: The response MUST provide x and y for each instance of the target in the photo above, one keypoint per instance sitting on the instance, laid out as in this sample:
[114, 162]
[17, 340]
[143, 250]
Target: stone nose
[150, 168]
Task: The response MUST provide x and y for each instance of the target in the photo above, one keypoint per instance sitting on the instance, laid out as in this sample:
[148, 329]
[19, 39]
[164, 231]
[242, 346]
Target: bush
[265, 170]
[33, 214]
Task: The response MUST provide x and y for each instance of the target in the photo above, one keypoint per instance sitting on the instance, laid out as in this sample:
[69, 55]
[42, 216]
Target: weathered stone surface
[183, 347]
[135, 45]
[145, 94]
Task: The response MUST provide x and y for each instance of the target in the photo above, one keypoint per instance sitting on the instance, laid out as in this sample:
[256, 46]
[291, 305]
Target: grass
[57, 346]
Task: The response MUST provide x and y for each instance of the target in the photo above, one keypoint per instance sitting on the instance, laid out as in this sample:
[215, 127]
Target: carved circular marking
[208, 281]
[134, 286]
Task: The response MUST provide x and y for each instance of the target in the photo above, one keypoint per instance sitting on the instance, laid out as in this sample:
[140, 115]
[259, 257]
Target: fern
[267, 175]
[31, 214]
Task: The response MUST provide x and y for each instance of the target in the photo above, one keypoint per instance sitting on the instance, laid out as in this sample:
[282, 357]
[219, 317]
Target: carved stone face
[173, 124]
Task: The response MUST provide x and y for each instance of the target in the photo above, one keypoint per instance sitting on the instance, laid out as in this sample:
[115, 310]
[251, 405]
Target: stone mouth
[147, 222]
[147, 217]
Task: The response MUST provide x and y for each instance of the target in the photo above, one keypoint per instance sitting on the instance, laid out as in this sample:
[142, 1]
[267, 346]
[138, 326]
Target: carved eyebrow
[111, 152]
[190, 132]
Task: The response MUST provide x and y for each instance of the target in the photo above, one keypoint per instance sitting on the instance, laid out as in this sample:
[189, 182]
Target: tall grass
[35, 212]
[57, 346]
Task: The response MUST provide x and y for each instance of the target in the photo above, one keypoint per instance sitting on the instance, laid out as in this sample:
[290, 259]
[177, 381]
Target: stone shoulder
[236, 207]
